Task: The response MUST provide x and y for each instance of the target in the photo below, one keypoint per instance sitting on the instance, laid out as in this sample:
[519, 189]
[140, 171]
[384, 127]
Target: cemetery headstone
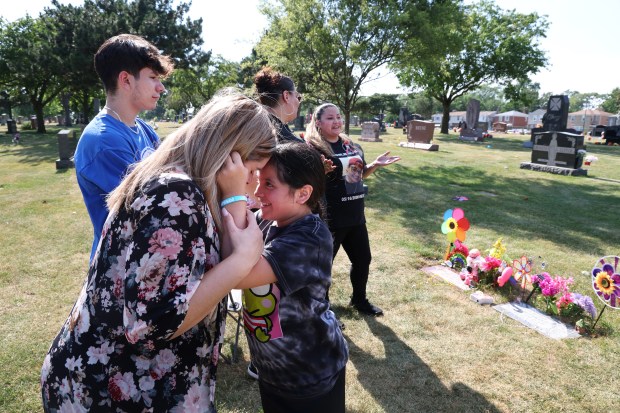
[471, 132]
[420, 135]
[65, 152]
[370, 132]
[12, 126]
[554, 148]
[33, 122]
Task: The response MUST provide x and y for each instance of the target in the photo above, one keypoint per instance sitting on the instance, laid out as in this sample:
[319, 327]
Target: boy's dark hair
[130, 53]
[270, 85]
[299, 164]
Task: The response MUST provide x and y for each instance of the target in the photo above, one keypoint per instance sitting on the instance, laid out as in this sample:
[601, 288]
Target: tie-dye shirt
[294, 338]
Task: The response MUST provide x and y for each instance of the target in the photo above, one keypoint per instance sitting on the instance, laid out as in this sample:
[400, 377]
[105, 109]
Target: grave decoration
[563, 313]
[606, 283]
[455, 226]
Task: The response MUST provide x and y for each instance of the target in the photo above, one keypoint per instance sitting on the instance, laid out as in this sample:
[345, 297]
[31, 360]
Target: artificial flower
[498, 249]
[455, 225]
[586, 303]
[607, 284]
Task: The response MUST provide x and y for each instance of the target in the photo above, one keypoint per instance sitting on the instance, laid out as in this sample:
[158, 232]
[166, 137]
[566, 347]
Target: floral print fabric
[114, 352]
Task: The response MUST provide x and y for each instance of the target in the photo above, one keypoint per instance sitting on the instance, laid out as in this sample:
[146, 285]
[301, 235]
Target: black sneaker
[365, 307]
[252, 371]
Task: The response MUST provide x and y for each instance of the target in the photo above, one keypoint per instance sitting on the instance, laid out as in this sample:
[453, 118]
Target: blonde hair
[313, 133]
[229, 122]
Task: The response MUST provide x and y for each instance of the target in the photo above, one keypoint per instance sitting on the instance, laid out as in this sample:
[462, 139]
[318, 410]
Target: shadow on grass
[568, 212]
[34, 148]
[409, 376]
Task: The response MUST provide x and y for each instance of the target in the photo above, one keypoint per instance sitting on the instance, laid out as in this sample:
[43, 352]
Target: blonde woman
[144, 332]
[344, 196]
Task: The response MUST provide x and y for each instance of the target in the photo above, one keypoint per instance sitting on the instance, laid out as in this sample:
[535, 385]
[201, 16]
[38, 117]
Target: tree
[522, 96]
[194, 86]
[156, 20]
[485, 45]
[612, 103]
[28, 65]
[331, 47]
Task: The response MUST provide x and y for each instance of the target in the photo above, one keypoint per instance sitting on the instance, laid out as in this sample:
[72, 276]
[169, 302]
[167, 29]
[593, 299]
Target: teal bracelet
[232, 199]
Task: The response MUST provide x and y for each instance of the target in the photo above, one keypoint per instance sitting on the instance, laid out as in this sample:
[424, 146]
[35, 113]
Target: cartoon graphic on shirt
[352, 170]
[260, 312]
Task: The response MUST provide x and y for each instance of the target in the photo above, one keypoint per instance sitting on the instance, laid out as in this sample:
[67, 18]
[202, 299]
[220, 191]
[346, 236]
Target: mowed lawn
[434, 350]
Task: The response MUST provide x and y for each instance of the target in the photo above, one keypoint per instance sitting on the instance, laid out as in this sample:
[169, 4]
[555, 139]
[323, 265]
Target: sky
[581, 40]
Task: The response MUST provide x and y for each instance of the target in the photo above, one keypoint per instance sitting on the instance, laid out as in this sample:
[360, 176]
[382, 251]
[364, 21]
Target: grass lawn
[434, 350]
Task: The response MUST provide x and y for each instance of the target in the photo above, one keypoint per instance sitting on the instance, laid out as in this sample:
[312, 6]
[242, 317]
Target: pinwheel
[455, 225]
[606, 282]
[522, 267]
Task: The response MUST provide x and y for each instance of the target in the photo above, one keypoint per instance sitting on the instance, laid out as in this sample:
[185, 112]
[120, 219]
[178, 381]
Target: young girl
[294, 338]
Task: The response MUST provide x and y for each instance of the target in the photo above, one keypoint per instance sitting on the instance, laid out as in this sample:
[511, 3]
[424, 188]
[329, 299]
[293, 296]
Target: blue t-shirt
[103, 155]
[294, 337]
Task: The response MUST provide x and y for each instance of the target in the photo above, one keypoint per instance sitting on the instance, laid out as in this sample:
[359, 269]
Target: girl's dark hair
[270, 85]
[299, 164]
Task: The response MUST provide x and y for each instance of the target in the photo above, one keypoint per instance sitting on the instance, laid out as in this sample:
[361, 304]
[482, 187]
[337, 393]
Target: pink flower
[490, 263]
[565, 300]
[121, 386]
[166, 242]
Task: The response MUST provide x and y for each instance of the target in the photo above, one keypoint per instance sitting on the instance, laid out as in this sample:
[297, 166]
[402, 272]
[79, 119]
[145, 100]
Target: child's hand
[232, 177]
[247, 243]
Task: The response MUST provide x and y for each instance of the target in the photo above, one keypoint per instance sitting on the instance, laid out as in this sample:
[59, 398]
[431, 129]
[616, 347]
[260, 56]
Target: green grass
[434, 350]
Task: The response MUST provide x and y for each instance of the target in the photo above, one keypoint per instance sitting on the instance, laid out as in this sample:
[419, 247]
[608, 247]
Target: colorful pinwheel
[455, 225]
[606, 280]
[522, 267]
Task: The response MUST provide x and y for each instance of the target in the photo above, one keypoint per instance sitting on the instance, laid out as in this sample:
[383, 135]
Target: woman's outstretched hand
[385, 159]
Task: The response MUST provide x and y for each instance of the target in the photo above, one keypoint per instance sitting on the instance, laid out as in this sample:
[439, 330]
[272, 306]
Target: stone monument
[471, 132]
[370, 132]
[556, 149]
[65, 152]
[420, 135]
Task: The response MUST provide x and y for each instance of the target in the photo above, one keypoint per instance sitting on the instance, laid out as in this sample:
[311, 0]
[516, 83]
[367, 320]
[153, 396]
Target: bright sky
[581, 42]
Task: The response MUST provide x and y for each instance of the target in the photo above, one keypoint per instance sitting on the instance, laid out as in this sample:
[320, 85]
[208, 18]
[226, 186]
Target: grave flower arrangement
[485, 270]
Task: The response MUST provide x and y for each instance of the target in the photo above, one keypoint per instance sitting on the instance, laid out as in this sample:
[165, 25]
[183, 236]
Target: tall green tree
[163, 23]
[28, 65]
[612, 102]
[487, 45]
[331, 47]
[194, 86]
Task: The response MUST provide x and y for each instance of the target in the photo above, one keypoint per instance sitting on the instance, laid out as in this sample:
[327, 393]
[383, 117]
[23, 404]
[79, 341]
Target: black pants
[355, 242]
[330, 402]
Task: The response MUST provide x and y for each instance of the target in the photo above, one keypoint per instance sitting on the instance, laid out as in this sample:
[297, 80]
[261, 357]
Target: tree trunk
[445, 119]
[38, 110]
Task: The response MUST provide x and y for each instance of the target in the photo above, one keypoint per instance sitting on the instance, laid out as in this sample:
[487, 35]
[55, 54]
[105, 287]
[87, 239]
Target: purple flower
[586, 303]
